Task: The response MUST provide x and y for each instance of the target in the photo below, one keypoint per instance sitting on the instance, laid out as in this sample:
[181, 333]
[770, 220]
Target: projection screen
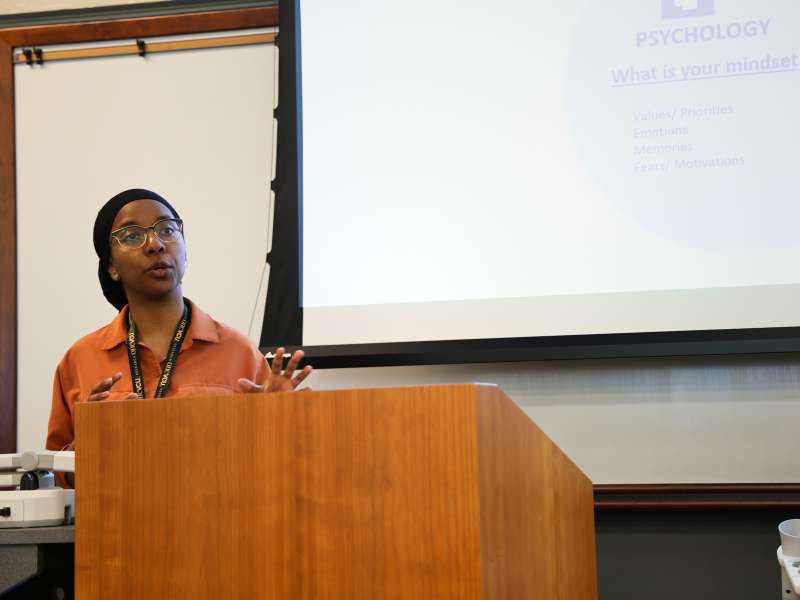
[547, 169]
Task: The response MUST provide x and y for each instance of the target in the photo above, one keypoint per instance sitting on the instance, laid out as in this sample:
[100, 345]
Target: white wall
[696, 420]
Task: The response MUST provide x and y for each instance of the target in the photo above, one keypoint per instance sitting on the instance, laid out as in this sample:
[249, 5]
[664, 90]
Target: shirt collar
[202, 328]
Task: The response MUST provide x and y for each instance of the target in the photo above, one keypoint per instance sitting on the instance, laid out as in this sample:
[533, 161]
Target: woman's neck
[156, 318]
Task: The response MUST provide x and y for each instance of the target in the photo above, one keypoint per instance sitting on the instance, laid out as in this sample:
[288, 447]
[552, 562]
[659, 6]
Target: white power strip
[36, 508]
[790, 569]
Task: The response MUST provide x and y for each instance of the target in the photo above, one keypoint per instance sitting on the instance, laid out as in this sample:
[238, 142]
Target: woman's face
[154, 270]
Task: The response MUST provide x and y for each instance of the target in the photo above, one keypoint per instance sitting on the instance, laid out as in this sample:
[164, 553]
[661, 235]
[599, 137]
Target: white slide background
[626, 160]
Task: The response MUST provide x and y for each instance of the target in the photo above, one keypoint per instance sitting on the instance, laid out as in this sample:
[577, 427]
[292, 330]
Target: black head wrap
[113, 290]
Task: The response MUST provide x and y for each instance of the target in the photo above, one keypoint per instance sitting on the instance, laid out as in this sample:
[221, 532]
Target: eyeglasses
[132, 237]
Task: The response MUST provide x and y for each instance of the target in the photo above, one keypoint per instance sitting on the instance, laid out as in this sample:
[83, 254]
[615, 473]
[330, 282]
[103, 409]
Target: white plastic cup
[790, 537]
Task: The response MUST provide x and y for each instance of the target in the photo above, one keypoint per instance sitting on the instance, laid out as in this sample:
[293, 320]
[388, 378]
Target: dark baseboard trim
[703, 496]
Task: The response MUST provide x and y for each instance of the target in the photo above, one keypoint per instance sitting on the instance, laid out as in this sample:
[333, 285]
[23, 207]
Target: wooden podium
[413, 493]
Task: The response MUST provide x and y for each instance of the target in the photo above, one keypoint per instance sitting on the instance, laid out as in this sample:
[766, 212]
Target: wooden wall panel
[142, 27]
[8, 257]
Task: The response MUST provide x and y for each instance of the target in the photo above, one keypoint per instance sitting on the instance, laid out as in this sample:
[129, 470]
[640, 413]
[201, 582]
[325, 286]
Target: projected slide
[687, 122]
[523, 169]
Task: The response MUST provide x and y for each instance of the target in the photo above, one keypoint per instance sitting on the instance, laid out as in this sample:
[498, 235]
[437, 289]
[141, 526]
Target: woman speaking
[160, 344]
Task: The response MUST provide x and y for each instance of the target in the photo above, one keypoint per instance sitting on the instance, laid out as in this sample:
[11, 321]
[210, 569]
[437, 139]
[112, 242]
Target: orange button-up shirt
[212, 358]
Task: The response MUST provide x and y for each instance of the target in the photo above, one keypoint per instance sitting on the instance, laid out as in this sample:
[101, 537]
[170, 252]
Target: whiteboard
[195, 126]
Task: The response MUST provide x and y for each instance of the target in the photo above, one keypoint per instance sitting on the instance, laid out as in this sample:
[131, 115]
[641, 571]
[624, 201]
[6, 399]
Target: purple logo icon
[680, 9]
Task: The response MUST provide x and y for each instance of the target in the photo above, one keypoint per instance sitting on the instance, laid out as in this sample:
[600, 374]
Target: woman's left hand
[277, 380]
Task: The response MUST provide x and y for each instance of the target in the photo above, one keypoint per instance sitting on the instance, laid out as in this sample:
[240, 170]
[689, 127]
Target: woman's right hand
[100, 390]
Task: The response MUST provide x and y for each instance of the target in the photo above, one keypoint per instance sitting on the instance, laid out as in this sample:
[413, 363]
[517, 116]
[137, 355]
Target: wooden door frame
[95, 31]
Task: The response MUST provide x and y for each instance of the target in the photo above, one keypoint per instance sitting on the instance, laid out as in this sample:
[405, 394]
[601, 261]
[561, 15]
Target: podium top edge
[438, 388]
